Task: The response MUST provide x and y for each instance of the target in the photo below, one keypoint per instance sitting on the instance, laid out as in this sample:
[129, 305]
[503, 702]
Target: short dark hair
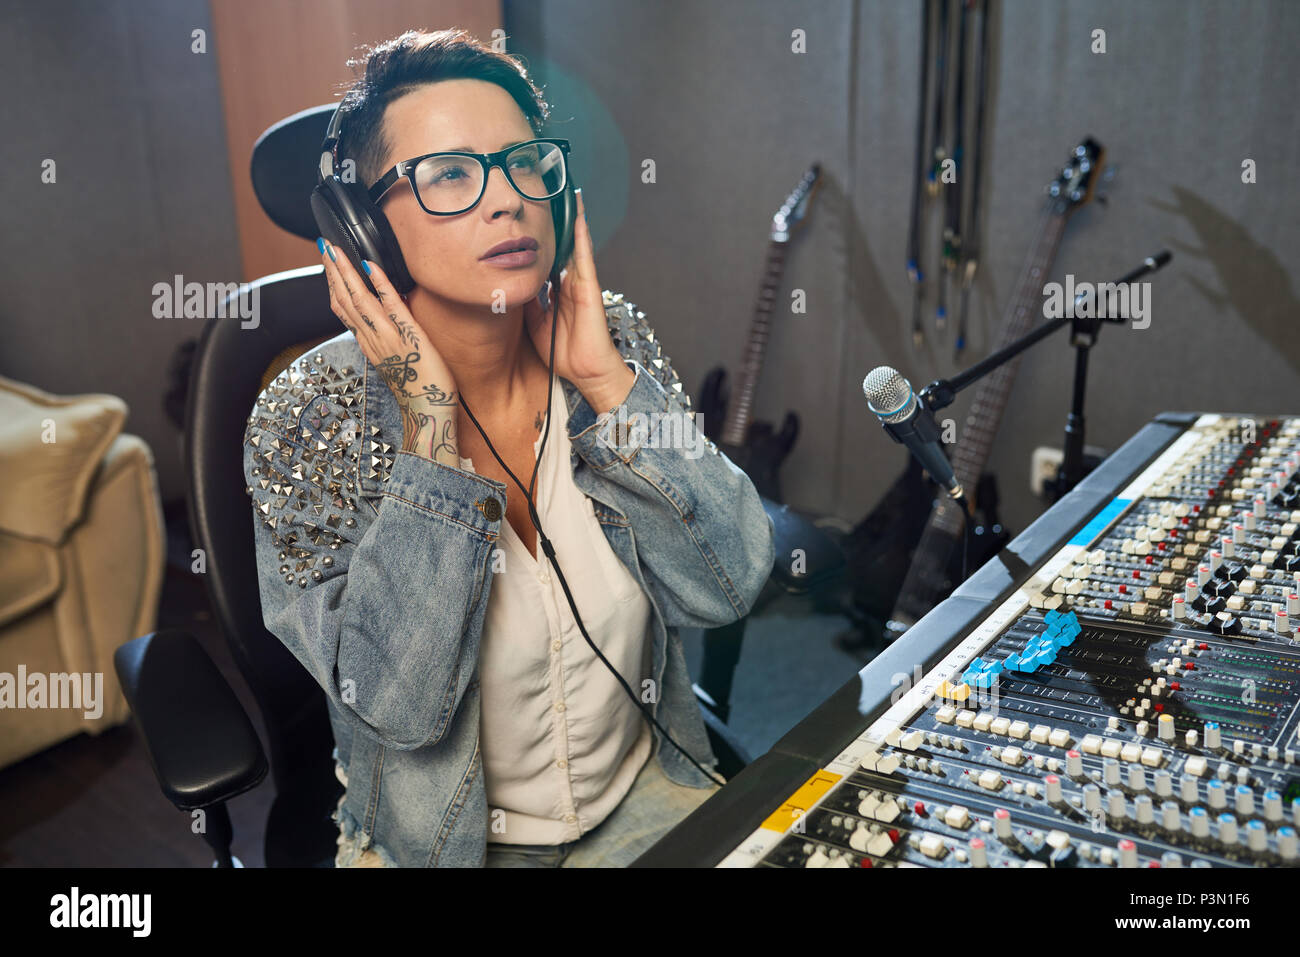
[411, 60]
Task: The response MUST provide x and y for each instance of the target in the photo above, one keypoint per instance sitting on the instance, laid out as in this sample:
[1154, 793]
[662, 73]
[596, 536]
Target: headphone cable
[548, 548]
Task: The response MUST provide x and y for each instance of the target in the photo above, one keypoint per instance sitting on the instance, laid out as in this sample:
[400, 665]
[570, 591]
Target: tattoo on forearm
[435, 396]
[429, 422]
[447, 441]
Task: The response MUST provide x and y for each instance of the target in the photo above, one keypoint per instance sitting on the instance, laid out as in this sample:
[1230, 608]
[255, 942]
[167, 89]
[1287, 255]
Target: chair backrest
[227, 376]
[229, 371]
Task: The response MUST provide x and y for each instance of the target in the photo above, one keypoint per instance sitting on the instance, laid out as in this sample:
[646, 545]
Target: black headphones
[348, 220]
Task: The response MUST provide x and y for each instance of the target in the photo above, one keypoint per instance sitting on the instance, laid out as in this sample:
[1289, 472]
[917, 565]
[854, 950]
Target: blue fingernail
[330, 250]
[320, 244]
[366, 266]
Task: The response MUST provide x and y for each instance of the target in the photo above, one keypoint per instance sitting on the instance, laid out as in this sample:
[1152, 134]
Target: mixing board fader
[1133, 703]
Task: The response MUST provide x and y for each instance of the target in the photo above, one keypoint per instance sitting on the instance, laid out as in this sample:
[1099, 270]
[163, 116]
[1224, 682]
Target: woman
[397, 556]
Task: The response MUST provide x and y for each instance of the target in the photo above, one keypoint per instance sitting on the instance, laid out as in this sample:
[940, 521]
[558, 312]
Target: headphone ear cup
[564, 211]
[350, 222]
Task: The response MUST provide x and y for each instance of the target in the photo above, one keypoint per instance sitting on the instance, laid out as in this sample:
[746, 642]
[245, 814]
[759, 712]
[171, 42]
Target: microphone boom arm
[942, 392]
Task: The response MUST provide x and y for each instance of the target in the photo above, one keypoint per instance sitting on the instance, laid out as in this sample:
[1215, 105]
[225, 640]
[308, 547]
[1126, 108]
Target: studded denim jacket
[374, 568]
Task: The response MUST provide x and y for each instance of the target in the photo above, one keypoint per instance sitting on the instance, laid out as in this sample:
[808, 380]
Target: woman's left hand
[584, 352]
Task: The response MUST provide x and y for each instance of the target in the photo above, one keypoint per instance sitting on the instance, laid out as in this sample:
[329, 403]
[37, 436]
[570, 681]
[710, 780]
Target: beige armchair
[82, 557]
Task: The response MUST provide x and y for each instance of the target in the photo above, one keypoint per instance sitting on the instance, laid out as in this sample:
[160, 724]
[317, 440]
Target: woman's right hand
[389, 337]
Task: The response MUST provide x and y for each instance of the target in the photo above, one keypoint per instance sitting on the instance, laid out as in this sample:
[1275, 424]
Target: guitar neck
[740, 405]
[985, 416]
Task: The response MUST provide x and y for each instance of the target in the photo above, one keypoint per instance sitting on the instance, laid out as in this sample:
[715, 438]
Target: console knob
[1092, 798]
[1002, 823]
[1074, 763]
[1286, 843]
[1054, 790]
[1200, 822]
[1128, 853]
[1110, 772]
[1169, 818]
[1212, 739]
[1245, 800]
[1145, 810]
[1256, 836]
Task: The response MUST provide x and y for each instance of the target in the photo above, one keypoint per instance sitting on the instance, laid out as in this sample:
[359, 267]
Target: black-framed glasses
[452, 182]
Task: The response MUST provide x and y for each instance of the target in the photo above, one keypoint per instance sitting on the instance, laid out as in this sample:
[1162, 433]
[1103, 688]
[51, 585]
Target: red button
[893, 834]
[1203, 646]
[1159, 707]
[1175, 685]
[1109, 604]
[1123, 590]
[919, 808]
[866, 862]
[1188, 666]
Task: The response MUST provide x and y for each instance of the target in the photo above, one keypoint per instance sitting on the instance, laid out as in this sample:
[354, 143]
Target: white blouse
[561, 740]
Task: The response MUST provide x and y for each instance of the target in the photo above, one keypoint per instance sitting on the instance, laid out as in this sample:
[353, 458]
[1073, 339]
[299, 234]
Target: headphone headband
[330, 145]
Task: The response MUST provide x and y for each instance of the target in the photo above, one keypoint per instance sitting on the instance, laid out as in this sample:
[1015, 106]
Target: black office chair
[203, 747]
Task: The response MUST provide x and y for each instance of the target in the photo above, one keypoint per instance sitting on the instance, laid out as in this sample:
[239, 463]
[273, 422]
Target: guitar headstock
[792, 211]
[1078, 180]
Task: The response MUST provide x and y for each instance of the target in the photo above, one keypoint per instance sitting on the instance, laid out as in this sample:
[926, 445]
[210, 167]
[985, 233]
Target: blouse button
[559, 706]
[570, 818]
[561, 764]
[556, 645]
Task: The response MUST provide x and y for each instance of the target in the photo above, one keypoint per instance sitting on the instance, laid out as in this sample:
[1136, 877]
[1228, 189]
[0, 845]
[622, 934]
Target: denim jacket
[374, 568]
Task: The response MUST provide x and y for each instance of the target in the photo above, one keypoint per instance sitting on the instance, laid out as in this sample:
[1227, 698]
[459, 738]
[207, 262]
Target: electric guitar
[752, 445]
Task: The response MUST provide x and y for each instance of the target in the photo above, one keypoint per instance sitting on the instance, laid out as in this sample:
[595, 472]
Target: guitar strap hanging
[914, 273]
[970, 229]
[953, 191]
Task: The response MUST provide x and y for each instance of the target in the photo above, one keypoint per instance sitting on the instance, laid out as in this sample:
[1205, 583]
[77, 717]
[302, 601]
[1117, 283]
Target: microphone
[909, 423]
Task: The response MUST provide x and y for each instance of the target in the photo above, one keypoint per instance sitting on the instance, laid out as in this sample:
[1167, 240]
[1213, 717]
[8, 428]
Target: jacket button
[492, 509]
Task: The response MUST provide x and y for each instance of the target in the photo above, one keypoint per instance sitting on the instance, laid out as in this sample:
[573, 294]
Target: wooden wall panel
[277, 57]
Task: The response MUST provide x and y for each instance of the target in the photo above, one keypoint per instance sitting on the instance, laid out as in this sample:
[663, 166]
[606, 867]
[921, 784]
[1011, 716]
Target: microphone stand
[1083, 336]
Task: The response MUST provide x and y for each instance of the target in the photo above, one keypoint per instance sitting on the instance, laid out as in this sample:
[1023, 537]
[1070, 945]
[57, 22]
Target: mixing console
[1131, 702]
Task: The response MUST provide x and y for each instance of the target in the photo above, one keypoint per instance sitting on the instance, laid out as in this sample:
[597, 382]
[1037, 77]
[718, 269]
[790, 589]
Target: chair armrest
[201, 743]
